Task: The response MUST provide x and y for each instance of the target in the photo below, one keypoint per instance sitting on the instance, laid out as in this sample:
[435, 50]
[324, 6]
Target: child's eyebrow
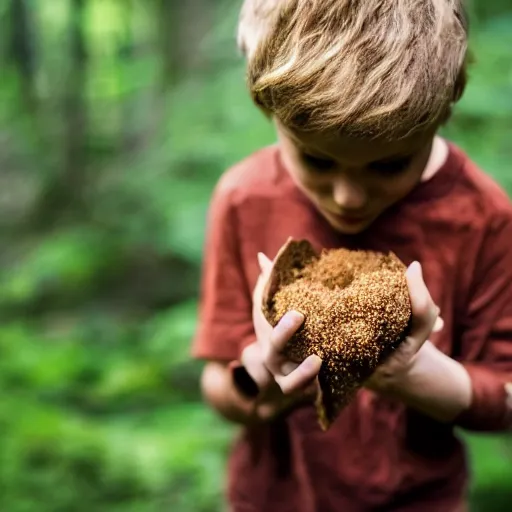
[311, 151]
[389, 159]
[316, 154]
[394, 158]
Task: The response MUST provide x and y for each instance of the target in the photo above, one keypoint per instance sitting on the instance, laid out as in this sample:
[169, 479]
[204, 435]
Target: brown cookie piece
[357, 310]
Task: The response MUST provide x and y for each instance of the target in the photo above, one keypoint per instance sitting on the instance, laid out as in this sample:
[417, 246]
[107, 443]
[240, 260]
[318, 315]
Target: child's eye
[318, 163]
[390, 167]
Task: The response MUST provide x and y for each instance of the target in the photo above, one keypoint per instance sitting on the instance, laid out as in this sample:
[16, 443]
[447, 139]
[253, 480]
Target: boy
[357, 90]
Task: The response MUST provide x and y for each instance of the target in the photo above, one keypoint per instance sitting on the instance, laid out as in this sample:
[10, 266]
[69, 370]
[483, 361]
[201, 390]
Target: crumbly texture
[357, 310]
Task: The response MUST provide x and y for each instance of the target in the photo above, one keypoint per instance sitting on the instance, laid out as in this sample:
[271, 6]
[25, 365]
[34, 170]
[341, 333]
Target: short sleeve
[486, 343]
[225, 317]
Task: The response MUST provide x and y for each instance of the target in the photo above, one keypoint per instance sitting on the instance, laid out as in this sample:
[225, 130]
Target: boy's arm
[225, 324]
[436, 385]
[474, 392]
[475, 395]
[417, 373]
[486, 340]
[220, 393]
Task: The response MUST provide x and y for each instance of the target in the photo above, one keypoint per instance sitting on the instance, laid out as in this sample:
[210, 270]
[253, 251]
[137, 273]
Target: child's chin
[347, 226]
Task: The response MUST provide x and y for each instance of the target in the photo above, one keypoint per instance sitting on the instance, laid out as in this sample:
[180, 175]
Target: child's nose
[347, 194]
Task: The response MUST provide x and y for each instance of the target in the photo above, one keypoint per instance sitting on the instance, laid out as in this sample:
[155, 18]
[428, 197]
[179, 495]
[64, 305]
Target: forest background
[117, 118]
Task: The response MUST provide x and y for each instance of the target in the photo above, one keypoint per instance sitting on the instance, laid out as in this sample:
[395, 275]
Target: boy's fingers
[265, 264]
[424, 311]
[265, 267]
[439, 324]
[258, 291]
[301, 377]
[288, 367]
[251, 360]
[281, 333]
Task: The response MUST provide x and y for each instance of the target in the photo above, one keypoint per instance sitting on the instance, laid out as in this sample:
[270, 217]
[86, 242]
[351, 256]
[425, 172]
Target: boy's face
[352, 181]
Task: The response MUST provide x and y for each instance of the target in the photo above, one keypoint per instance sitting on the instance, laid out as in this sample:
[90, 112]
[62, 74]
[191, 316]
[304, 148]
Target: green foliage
[102, 231]
[105, 423]
[482, 120]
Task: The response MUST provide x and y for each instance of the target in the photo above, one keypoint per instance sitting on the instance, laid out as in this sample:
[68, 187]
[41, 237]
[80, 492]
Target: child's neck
[438, 156]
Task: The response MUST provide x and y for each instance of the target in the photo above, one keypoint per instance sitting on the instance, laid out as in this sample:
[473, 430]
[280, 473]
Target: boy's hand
[265, 359]
[393, 373]
[271, 399]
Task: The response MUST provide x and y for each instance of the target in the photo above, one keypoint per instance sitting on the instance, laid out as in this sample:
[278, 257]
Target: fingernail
[293, 318]
[415, 269]
[313, 362]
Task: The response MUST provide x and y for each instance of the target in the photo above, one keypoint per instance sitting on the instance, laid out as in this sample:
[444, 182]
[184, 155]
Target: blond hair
[372, 68]
[254, 22]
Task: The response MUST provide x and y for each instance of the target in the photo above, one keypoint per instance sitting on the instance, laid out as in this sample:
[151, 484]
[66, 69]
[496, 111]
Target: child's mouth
[352, 220]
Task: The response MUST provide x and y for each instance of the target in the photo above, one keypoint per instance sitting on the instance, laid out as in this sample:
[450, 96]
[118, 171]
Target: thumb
[265, 263]
[424, 311]
[439, 324]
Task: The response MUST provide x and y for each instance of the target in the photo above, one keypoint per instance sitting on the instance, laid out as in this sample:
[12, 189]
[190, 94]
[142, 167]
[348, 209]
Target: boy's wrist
[392, 380]
[404, 382]
[434, 383]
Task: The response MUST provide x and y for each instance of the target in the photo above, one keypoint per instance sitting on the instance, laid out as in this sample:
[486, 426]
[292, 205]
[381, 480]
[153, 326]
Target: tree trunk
[182, 28]
[21, 51]
[65, 192]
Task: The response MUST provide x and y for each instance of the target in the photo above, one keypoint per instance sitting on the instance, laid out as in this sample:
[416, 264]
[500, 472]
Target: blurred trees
[116, 119]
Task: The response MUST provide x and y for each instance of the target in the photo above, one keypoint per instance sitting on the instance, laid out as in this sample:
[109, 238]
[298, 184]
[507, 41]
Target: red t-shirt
[379, 454]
